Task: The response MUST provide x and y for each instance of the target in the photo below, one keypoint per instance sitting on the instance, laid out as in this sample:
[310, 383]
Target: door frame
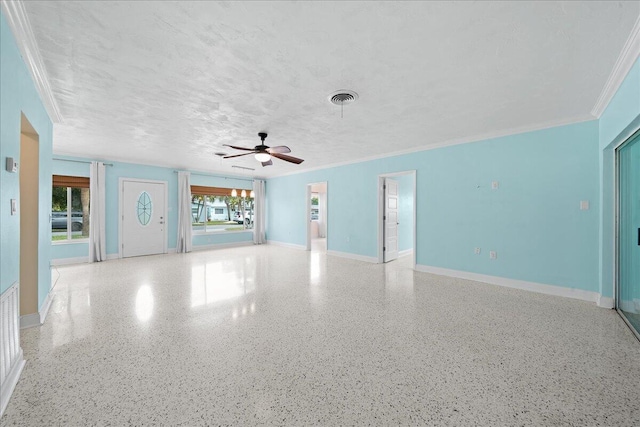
[381, 178]
[616, 246]
[121, 182]
[326, 209]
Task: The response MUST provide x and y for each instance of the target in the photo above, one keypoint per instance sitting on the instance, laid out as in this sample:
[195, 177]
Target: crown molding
[18, 20]
[623, 65]
[451, 142]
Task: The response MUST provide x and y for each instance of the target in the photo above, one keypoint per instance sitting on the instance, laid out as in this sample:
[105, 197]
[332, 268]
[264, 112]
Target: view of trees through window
[216, 213]
[69, 213]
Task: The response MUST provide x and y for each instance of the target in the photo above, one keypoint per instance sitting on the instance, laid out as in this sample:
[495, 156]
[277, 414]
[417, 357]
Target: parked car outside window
[59, 221]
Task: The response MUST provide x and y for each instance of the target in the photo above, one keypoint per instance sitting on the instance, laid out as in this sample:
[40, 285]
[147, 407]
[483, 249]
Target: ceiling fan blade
[279, 149]
[268, 163]
[238, 155]
[291, 159]
[239, 148]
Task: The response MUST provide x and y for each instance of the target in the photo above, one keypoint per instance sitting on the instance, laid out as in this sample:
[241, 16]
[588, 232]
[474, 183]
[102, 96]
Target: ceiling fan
[264, 153]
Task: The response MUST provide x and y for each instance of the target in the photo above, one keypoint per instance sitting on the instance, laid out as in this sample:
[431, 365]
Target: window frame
[68, 182]
[209, 194]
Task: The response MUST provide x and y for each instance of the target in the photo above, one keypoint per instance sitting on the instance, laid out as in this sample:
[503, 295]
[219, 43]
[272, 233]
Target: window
[214, 210]
[69, 208]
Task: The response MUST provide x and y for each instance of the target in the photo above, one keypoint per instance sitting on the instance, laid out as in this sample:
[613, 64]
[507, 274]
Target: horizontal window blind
[70, 181]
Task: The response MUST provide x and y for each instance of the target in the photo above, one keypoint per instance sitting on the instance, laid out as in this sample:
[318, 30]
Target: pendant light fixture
[234, 193]
[243, 193]
[252, 194]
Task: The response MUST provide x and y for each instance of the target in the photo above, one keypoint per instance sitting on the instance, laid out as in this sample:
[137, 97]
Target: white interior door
[143, 218]
[390, 249]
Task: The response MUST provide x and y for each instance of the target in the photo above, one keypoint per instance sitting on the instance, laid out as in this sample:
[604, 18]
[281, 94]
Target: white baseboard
[196, 248]
[357, 257]
[46, 305]
[605, 302]
[171, 251]
[67, 261]
[286, 245]
[405, 252]
[9, 384]
[113, 256]
[513, 283]
[29, 320]
[630, 306]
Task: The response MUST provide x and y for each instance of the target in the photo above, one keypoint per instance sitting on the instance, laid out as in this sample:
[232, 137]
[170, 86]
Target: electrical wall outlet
[477, 251]
[493, 255]
[495, 185]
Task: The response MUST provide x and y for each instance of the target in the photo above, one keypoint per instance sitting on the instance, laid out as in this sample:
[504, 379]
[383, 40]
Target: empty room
[319, 213]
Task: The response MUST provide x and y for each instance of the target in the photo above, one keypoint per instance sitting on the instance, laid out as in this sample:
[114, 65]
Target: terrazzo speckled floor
[275, 336]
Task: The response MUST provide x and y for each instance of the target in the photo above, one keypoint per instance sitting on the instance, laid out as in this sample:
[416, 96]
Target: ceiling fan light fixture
[263, 157]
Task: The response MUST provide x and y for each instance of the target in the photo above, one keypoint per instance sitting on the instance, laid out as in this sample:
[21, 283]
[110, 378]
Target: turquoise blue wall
[533, 220]
[620, 120]
[131, 170]
[18, 95]
[405, 211]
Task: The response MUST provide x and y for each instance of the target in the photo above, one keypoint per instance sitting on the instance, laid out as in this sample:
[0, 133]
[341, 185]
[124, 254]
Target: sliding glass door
[628, 298]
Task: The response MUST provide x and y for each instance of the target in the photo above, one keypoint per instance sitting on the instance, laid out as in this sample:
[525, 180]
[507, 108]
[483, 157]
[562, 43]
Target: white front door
[143, 217]
[390, 249]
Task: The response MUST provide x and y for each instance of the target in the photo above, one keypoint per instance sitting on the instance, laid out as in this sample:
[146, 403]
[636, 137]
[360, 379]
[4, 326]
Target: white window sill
[214, 233]
[69, 242]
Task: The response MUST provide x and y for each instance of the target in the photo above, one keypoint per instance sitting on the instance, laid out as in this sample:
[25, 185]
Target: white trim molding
[11, 357]
[623, 65]
[46, 305]
[214, 246]
[68, 261]
[11, 380]
[29, 320]
[513, 283]
[605, 302]
[286, 245]
[405, 252]
[18, 20]
[348, 255]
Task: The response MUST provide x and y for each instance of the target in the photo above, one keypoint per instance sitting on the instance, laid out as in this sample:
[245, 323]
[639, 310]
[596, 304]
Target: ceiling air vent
[343, 97]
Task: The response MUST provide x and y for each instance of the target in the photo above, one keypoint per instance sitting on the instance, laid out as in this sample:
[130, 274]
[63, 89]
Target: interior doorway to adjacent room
[317, 217]
[28, 208]
[397, 216]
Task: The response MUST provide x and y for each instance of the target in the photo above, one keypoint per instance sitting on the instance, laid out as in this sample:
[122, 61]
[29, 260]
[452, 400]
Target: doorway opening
[397, 216]
[317, 217]
[29, 230]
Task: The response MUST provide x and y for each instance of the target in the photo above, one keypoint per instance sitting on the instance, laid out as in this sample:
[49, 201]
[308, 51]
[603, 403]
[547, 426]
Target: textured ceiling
[168, 83]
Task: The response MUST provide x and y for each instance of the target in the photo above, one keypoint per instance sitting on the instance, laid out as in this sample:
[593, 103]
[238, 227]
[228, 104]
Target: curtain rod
[79, 161]
[216, 176]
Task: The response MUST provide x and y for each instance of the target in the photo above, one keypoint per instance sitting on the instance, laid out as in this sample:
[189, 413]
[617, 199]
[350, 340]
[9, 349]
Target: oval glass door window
[144, 208]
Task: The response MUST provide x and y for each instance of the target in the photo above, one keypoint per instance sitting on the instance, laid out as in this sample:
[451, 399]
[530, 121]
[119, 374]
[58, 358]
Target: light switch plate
[584, 205]
[493, 255]
[495, 185]
[14, 206]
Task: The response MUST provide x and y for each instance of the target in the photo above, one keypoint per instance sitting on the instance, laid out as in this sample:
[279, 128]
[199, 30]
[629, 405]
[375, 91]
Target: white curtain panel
[258, 221]
[97, 242]
[184, 212]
